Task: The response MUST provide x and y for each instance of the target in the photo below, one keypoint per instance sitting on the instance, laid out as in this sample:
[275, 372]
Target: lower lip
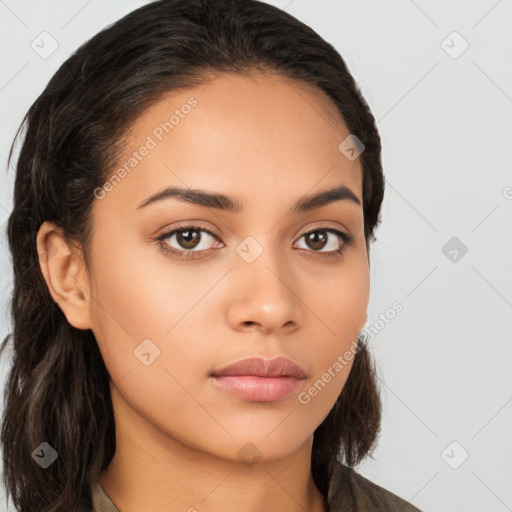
[258, 389]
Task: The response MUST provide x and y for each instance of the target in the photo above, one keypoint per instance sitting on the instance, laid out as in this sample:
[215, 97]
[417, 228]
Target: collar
[348, 491]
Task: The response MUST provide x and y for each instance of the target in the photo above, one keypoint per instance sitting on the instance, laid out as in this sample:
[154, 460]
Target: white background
[445, 119]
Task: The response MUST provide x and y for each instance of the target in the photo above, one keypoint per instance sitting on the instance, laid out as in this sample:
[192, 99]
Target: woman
[195, 199]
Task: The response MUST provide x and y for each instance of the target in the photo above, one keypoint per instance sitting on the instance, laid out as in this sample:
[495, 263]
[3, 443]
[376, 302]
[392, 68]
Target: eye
[192, 240]
[319, 238]
[189, 239]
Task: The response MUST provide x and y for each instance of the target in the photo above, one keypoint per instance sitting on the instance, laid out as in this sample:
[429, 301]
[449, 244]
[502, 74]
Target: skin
[266, 142]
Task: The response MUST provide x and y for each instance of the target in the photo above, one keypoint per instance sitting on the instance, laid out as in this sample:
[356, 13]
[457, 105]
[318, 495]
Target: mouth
[260, 380]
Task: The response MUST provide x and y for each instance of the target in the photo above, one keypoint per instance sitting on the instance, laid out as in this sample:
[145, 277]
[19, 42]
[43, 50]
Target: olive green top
[348, 492]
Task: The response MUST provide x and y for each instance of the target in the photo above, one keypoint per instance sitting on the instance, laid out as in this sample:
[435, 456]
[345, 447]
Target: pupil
[318, 241]
[188, 237]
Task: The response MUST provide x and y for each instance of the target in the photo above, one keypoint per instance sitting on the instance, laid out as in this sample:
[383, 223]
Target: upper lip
[259, 366]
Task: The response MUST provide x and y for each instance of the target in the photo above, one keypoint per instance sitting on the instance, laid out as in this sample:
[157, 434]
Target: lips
[260, 367]
[260, 380]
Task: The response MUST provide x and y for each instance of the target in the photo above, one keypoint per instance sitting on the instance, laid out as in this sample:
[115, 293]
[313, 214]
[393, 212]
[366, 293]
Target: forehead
[239, 135]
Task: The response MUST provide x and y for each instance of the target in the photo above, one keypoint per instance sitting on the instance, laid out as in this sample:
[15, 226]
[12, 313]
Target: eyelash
[345, 237]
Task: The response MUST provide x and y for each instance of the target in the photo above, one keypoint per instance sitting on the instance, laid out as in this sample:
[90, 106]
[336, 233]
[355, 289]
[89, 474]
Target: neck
[153, 471]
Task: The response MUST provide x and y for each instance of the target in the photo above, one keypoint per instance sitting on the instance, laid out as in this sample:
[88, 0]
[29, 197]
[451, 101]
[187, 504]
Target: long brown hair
[58, 386]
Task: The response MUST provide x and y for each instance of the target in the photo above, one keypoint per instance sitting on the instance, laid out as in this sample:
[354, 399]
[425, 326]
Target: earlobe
[64, 271]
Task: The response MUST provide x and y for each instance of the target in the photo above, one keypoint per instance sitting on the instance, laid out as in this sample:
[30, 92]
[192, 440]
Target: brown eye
[321, 238]
[189, 238]
[316, 240]
[187, 241]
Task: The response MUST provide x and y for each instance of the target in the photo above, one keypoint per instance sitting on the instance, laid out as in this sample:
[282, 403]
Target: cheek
[340, 302]
[318, 397]
[340, 312]
[124, 307]
[147, 338]
[142, 306]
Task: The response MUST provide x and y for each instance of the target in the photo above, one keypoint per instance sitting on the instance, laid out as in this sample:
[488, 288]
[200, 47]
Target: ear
[66, 276]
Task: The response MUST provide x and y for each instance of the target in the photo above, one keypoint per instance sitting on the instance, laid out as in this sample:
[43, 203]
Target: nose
[265, 296]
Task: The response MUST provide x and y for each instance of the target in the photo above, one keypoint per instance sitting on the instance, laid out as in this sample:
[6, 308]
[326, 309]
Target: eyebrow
[226, 203]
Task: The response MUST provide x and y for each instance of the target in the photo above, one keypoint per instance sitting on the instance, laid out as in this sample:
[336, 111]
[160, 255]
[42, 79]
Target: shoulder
[100, 501]
[351, 492]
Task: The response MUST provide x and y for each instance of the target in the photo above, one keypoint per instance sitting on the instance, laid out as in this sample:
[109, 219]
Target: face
[180, 290]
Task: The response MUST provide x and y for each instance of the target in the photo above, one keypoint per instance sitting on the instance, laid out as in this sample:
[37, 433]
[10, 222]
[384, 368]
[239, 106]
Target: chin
[253, 447]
